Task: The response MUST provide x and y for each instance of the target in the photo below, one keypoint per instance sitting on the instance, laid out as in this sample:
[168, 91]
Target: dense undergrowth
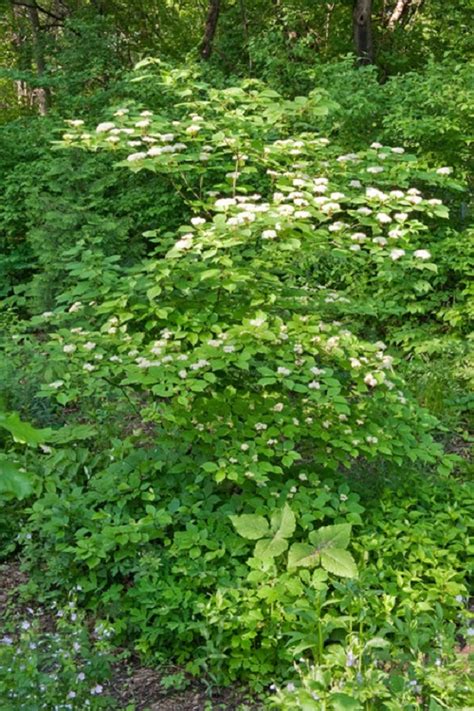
[239, 325]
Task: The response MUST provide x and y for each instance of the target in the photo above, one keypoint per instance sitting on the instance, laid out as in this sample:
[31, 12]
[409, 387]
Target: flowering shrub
[211, 401]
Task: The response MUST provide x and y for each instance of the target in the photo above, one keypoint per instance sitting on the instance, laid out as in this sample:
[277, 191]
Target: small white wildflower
[185, 242]
[283, 371]
[398, 149]
[355, 184]
[278, 407]
[370, 380]
[401, 216]
[269, 234]
[387, 361]
[76, 306]
[88, 367]
[193, 129]
[183, 374]
[330, 207]
[89, 346]
[69, 348]
[383, 217]
[320, 188]
[260, 426]
[375, 169]
[314, 385]
[136, 156]
[395, 234]
[376, 145]
[105, 126]
[396, 254]
[257, 322]
[225, 203]
[56, 384]
[336, 226]
[382, 241]
[422, 254]
[444, 171]
[155, 151]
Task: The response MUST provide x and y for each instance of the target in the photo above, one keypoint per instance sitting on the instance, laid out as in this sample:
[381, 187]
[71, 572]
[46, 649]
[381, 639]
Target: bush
[209, 406]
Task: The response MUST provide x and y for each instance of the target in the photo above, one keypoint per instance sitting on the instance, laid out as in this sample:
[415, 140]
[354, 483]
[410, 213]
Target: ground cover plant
[236, 368]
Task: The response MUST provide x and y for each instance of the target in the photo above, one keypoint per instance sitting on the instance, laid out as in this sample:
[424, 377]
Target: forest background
[236, 260]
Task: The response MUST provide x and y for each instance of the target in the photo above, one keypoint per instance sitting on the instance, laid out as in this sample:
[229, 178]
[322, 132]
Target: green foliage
[65, 668]
[206, 426]
[237, 315]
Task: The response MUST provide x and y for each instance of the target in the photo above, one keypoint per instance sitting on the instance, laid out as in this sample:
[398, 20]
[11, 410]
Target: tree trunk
[400, 9]
[362, 26]
[41, 93]
[210, 28]
[245, 25]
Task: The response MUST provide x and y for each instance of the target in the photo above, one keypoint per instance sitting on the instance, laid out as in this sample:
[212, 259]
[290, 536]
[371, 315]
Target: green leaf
[13, 481]
[284, 522]
[21, 431]
[343, 702]
[336, 536]
[270, 548]
[71, 433]
[339, 562]
[302, 555]
[250, 526]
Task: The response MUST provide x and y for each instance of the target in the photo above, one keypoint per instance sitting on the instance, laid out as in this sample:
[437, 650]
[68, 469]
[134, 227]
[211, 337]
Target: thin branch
[35, 6]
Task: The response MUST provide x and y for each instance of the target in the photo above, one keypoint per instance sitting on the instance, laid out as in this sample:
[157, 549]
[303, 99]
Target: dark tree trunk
[210, 28]
[42, 93]
[362, 25]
